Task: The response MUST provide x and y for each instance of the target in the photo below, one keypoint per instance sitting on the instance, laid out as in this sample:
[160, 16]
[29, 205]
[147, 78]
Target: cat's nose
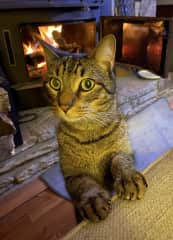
[65, 108]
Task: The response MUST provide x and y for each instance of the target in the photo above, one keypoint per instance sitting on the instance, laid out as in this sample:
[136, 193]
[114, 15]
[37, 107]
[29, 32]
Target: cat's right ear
[50, 54]
[104, 52]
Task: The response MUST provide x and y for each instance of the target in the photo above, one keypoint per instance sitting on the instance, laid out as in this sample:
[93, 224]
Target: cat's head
[82, 88]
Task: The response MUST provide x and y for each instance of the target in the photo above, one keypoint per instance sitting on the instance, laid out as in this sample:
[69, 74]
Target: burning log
[34, 58]
[35, 63]
[62, 43]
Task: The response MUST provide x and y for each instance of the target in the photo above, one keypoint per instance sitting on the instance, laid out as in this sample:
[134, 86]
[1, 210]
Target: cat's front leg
[129, 183]
[91, 200]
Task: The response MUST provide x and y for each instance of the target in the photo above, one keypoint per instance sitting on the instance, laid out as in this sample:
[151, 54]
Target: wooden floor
[35, 213]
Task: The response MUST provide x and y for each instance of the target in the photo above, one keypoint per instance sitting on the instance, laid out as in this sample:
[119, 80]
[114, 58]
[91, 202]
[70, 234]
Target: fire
[35, 61]
[28, 49]
[47, 33]
[40, 65]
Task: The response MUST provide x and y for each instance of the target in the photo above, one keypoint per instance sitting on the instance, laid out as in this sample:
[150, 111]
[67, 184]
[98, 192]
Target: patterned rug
[148, 219]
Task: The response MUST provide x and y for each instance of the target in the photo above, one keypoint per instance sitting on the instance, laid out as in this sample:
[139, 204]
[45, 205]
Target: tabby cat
[95, 154]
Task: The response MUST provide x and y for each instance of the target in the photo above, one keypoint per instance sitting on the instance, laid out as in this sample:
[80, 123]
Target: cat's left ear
[105, 51]
[49, 52]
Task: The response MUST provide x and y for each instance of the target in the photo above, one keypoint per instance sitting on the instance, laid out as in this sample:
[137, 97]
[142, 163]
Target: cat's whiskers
[96, 119]
[101, 117]
[88, 114]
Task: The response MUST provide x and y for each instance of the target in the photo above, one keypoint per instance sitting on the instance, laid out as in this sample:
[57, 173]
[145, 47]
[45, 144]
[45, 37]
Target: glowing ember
[47, 33]
[28, 49]
[40, 65]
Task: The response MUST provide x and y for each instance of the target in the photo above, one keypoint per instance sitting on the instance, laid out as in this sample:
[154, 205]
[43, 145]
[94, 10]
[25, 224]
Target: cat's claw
[131, 186]
[95, 206]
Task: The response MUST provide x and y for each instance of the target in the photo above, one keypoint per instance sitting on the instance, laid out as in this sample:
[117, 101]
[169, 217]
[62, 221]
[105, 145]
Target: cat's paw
[95, 204]
[131, 186]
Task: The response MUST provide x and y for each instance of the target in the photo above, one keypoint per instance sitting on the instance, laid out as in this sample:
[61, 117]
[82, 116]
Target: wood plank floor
[33, 213]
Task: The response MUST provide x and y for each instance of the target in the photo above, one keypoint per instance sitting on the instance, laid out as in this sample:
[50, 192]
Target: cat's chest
[89, 159]
[92, 157]
[114, 140]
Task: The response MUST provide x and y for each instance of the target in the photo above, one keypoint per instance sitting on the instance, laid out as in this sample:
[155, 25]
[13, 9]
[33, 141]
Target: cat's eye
[87, 84]
[55, 84]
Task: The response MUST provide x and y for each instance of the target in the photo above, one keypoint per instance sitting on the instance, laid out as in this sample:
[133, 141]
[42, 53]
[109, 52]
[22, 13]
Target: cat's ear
[49, 52]
[104, 52]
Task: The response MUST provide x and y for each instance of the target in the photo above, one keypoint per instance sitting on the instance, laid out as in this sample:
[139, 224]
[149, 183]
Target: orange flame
[28, 49]
[40, 65]
[46, 33]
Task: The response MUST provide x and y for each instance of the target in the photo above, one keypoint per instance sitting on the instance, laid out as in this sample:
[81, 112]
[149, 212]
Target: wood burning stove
[68, 25]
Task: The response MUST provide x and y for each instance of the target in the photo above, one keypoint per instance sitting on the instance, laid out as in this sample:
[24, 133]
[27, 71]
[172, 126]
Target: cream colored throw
[148, 219]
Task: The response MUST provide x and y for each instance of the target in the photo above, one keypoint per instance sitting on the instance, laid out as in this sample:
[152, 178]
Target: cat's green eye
[87, 84]
[55, 84]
